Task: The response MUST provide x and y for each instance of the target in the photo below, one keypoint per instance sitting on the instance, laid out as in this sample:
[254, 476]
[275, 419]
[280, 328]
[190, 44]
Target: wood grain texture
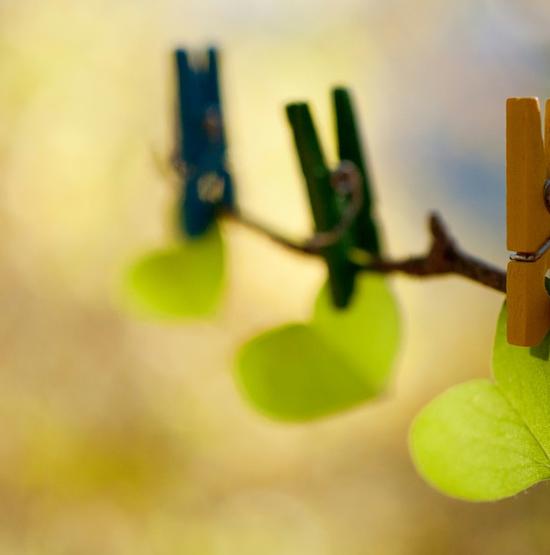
[528, 221]
[528, 302]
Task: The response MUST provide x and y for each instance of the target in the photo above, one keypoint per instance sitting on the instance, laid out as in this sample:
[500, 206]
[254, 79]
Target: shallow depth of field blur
[125, 436]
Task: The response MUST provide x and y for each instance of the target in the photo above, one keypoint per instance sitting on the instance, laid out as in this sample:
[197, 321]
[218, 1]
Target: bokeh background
[125, 436]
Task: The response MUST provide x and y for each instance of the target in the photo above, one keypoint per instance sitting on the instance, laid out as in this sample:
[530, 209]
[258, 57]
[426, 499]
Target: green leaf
[367, 332]
[483, 441]
[181, 281]
[340, 359]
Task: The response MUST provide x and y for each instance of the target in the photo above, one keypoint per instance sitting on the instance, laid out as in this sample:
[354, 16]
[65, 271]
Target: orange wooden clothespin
[528, 220]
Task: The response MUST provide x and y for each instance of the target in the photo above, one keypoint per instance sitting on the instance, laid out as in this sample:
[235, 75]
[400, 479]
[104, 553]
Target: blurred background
[125, 436]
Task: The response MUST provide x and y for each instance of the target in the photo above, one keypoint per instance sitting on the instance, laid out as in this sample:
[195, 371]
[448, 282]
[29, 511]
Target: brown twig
[304, 247]
[443, 258]
[347, 183]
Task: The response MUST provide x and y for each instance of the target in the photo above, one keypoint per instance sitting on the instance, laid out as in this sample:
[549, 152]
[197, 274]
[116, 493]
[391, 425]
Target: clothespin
[325, 203]
[350, 148]
[528, 220]
[201, 145]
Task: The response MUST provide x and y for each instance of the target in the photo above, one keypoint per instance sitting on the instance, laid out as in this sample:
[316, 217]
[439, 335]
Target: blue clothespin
[201, 150]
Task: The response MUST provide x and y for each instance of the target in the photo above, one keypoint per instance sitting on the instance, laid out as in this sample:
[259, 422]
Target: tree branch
[304, 247]
[346, 181]
[443, 258]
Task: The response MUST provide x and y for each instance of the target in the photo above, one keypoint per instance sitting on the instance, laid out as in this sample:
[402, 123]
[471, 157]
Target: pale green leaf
[337, 361]
[485, 441]
[290, 373]
[182, 281]
[367, 332]
[525, 380]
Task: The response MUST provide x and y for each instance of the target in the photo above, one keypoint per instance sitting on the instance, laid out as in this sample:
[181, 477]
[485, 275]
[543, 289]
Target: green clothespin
[325, 203]
[350, 148]
[322, 197]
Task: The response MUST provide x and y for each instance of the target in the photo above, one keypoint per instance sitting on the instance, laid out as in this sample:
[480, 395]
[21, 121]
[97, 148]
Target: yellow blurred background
[123, 436]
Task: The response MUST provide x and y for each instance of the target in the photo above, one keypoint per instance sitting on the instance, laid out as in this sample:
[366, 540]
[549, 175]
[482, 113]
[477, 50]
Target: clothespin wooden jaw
[201, 145]
[528, 220]
[324, 200]
[350, 148]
